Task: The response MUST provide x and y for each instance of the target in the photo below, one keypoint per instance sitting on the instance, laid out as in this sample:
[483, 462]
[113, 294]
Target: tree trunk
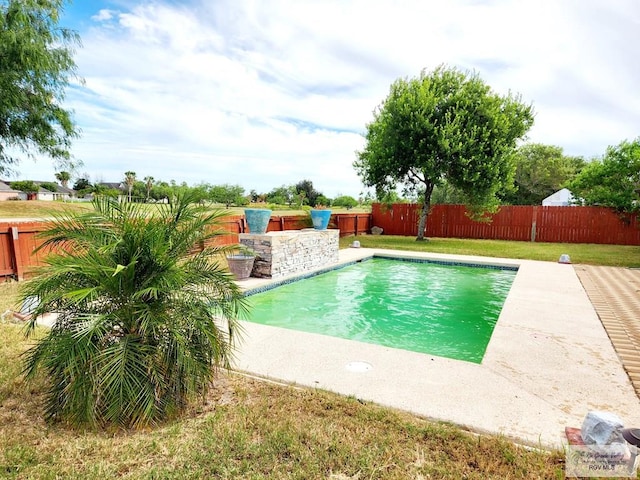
[426, 206]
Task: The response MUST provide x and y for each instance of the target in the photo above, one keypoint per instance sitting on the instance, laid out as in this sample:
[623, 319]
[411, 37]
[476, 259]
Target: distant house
[61, 193]
[8, 193]
[114, 186]
[120, 186]
[561, 198]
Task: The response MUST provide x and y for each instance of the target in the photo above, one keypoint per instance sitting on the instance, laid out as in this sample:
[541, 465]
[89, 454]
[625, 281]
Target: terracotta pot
[240, 265]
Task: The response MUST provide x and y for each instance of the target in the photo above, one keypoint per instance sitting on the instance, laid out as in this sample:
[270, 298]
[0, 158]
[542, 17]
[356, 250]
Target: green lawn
[252, 429]
[42, 209]
[591, 254]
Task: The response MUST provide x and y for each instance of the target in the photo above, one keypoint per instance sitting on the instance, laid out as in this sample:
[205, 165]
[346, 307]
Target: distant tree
[63, 177]
[50, 186]
[390, 197]
[82, 184]
[36, 66]
[130, 181]
[148, 184]
[200, 192]
[283, 195]
[540, 171]
[444, 193]
[139, 190]
[345, 201]
[253, 195]
[613, 181]
[322, 201]
[366, 198]
[443, 125]
[227, 194]
[26, 186]
[105, 191]
[310, 194]
[161, 191]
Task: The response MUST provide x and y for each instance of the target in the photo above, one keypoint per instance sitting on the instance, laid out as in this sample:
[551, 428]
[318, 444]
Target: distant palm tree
[130, 181]
[63, 178]
[148, 185]
[143, 321]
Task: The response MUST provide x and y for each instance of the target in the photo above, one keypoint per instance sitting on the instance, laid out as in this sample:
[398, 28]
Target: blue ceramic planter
[257, 219]
[320, 219]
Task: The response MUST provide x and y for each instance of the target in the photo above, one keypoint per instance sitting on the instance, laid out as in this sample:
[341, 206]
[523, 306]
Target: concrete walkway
[548, 363]
[615, 294]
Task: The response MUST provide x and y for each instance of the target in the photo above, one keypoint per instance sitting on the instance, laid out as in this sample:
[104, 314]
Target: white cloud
[269, 93]
[103, 15]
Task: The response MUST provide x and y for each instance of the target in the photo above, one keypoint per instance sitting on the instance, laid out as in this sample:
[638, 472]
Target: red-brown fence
[524, 223]
[19, 240]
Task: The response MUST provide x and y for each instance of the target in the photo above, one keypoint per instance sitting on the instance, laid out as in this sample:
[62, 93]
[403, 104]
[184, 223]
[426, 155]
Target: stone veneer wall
[292, 251]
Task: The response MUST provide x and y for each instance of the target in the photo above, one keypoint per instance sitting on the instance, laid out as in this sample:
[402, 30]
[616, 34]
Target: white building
[562, 198]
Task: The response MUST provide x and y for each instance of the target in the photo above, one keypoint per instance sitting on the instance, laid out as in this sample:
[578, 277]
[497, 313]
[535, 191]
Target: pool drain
[358, 367]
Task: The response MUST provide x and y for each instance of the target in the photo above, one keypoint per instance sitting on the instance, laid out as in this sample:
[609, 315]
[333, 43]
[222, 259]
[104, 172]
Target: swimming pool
[448, 310]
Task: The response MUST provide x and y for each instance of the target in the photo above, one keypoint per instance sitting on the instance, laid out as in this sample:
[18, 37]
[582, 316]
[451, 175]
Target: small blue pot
[257, 219]
[320, 219]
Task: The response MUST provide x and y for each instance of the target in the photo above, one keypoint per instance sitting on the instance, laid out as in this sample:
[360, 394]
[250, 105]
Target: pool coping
[548, 363]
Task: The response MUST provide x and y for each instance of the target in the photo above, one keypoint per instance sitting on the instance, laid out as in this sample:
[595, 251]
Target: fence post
[533, 224]
[15, 250]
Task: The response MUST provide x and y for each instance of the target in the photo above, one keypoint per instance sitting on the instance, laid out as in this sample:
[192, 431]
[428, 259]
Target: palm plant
[148, 185]
[130, 181]
[63, 178]
[143, 320]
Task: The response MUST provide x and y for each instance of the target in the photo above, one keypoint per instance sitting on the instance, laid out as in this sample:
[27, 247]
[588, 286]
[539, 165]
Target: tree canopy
[614, 180]
[227, 194]
[443, 125]
[36, 66]
[307, 193]
[540, 171]
[63, 177]
[26, 186]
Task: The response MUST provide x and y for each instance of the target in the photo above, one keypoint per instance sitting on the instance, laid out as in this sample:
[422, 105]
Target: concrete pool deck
[548, 363]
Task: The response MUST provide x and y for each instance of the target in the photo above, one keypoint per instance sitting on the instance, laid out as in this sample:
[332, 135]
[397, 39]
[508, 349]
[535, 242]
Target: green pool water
[445, 310]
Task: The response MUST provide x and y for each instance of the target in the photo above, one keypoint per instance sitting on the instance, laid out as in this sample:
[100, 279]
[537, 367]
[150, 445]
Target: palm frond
[143, 320]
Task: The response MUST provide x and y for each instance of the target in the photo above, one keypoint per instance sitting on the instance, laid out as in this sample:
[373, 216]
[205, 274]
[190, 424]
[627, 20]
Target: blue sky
[266, 93]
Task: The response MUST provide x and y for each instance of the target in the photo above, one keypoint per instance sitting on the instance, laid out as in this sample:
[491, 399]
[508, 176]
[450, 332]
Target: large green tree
[443, 125]
[614, 180]
[540, 171]
[307, 193]
[143, 321]
[36, 66]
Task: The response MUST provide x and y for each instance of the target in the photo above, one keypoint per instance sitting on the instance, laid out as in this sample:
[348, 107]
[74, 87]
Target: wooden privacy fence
[19, 240]
[524, 223]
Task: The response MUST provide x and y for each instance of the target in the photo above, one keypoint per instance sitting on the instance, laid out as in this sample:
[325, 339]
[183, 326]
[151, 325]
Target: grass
[590, 254]
[37, 209]
[248, 428]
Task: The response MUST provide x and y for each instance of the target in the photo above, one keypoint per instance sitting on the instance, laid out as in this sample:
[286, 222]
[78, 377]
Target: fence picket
[523, 223]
